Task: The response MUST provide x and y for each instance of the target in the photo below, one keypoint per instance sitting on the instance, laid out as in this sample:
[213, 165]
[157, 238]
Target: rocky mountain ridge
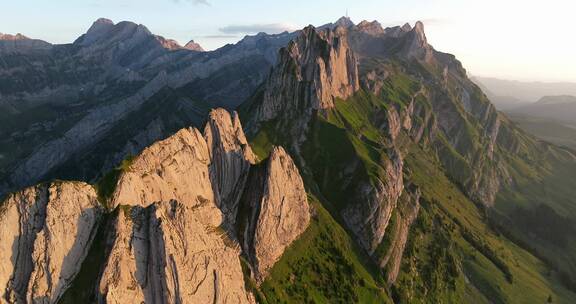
[173, 235]
[46, 236]
[353, 150]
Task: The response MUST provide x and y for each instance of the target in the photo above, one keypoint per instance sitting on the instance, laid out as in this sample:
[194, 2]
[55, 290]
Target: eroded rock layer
[313, 70]
[174, 238]
[279, 211]
[47, 232]
[231, 159]
[170, 252]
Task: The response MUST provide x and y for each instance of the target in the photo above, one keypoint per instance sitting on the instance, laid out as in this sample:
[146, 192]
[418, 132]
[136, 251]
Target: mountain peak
[169, 44]
[418, 46]
[319, 63]
[345, 22]
[105, 30]
[419, 29]
[374, 27]
[98, 28]
[406, 27]
[21, 44]
[101, 24]
[193, 46]
[103, 21]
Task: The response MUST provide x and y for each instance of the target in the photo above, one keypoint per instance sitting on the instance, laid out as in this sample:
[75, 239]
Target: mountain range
[345, 163]
[508, 94]
[552, 118]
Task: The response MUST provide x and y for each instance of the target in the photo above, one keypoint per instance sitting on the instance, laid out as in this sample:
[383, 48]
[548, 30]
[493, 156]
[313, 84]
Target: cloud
[219, 36]
[271, 28]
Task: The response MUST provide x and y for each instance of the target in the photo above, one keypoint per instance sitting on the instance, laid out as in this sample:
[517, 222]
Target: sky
[511, 39]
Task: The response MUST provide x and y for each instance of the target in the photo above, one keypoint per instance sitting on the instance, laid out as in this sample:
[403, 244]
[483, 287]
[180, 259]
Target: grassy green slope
[539, 210]
[547, 129]
[323, 266]
[453, 254]
[488, 263]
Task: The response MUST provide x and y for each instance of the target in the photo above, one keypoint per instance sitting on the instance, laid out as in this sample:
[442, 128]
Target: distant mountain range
[75, 110]
[558, 108]
[546, 110]
[552, 118]
[507, 94]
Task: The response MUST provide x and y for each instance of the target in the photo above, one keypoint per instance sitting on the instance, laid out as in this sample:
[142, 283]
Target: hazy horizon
[532, 45]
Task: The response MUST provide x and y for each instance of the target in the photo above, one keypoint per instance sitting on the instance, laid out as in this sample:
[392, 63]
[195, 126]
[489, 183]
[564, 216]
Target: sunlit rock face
[277, 211]
[314, 69]
[47, 232]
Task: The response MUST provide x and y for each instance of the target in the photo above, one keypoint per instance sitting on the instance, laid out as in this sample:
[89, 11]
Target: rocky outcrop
[405, 215]
[8, 37]
[193, 46]
[173, 169]
[417, 46]
[278, 211]
[231, 157]
[372, 28]
[313, 70]
[47, 231]
[172, 252]
[173, 45]
[174, 237]
[169, 44]
[369, 211]
[181, 197]
[191, 168]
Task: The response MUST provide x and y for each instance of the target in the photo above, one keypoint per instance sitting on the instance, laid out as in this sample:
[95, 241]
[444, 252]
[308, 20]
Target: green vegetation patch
[323, 266]
[488, 266]
[106, 186]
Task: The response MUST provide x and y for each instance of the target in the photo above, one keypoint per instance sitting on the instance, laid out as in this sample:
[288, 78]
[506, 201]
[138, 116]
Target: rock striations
[405, 215]
[173, 252]
[275, 217]
[46, 233]
[231, 160]
[173, 238]
[313, 70]
[186, 193]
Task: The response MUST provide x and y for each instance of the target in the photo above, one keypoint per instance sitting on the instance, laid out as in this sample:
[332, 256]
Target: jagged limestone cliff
[231, 160]
[46, 233]
[201, 179]
[173, 237]
[366, 154]
[274, 218]
[172, 252]
[301, 91]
